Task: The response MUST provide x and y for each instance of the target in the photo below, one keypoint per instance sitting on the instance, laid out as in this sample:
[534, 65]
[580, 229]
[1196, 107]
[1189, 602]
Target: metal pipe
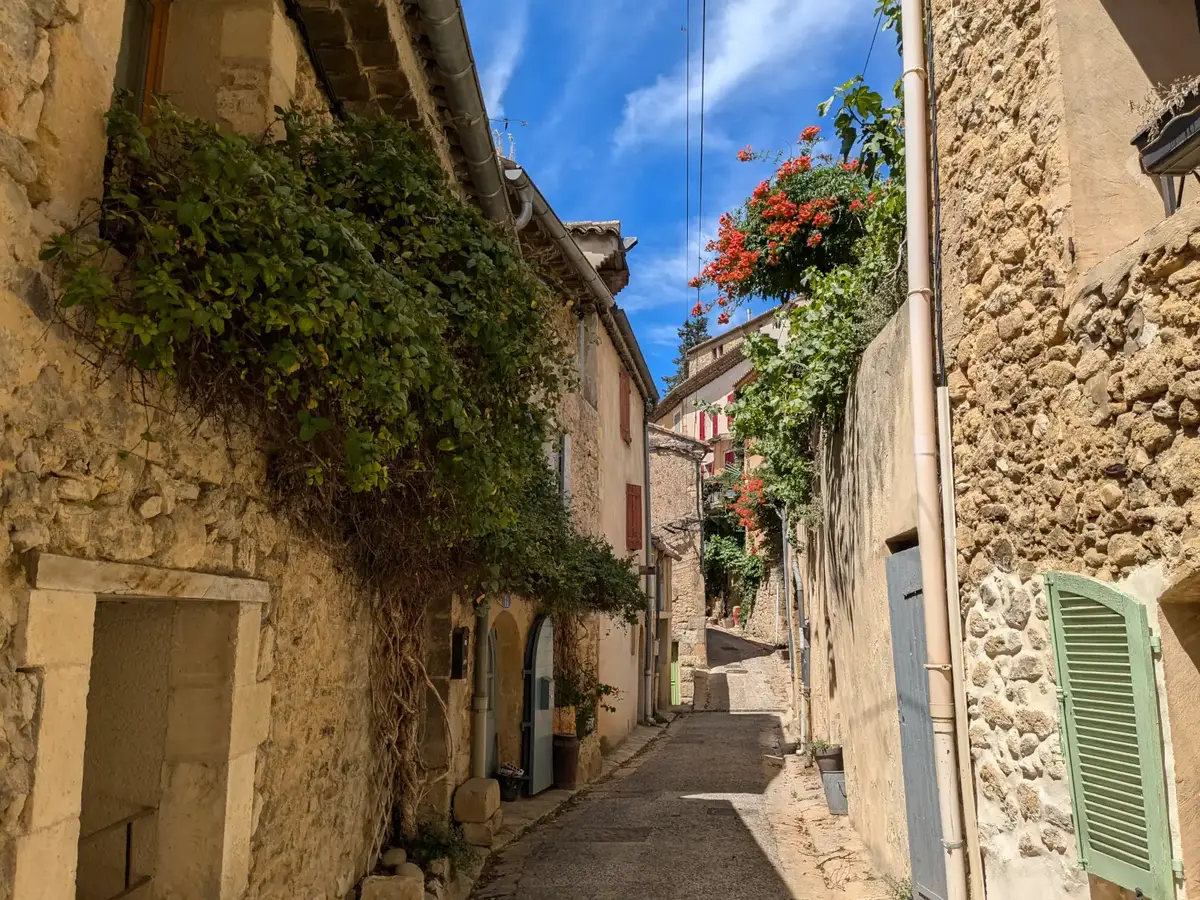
[929, 513]
[479, 696]
[447, 32]
[787, 597]
[651, 575]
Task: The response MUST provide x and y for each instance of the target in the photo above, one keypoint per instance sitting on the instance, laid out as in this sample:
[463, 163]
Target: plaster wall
[868, 497]
[620, 464]
[1113, 53]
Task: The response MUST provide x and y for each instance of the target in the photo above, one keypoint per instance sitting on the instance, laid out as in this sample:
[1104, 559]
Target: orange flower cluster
[750, 495]
[734, 263]
[746, 154]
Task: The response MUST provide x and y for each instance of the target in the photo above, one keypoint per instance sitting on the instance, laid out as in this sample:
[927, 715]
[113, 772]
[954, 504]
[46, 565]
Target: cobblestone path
[713, 810]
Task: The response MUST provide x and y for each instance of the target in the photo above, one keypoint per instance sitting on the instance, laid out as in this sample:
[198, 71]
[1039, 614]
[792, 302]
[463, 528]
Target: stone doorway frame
[218, 714]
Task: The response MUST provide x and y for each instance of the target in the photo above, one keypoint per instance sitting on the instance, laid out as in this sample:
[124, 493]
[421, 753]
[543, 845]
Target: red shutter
[714, 424]
[626, 430]
[729, 459]
[633, 517]
[703, 422]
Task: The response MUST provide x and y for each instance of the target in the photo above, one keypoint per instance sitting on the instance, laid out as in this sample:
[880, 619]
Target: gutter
[614, 318]
[447, 32]
[939, 655]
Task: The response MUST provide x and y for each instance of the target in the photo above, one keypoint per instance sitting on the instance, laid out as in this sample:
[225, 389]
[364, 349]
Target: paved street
[698, 816]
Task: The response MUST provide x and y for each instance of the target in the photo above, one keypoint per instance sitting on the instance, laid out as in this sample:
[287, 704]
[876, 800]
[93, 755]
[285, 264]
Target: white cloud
[509, 47]
[763, 42]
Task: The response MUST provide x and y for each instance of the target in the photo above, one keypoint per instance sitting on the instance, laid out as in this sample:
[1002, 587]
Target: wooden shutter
[703, 421]
[633, 517]
[1111, 733]
[626, 430]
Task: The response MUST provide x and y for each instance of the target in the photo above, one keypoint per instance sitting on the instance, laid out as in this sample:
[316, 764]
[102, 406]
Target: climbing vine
[396, 354]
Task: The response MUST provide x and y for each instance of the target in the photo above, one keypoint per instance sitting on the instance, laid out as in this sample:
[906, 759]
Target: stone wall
[766, 615]
[674, 499]
[96, 466]
[1076, 401]
[867, 498]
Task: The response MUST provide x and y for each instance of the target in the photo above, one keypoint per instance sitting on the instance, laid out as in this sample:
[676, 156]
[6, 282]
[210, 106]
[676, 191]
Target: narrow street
[712, 810]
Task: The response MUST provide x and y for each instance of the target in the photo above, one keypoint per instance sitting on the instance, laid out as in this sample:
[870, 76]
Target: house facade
[185, 672]
[1070, 343]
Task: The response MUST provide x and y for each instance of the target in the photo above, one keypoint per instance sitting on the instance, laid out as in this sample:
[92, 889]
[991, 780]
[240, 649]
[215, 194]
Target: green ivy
[727, 561]
[398, 354]
[803, 384]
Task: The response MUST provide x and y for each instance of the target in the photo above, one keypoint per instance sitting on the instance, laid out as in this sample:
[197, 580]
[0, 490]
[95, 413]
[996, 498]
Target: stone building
[184, 672]
[675, 502]
[1068, 295]
[1071, 345]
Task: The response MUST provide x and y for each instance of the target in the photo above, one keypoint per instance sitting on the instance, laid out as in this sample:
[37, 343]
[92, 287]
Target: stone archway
[509, 688]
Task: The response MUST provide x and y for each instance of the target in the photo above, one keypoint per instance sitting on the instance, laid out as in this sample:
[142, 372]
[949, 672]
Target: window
[1111, 733]
[139, 64]
[633, 517]
[714, 424]
[678, 420]
[626, 428]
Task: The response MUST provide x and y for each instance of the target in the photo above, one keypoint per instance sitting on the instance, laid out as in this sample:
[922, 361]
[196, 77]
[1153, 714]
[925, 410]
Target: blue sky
[594, 91]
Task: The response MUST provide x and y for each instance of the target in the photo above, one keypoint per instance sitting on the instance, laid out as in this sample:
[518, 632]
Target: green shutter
[1111, 735]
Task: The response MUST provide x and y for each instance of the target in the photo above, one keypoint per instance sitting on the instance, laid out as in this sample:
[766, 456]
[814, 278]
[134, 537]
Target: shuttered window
[633, 517]
[1111, 734]
[626, 387]
[703, 421]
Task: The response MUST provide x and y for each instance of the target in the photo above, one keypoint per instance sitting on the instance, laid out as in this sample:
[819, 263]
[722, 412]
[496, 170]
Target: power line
[871, 49]
[687, 129]
[700, 191]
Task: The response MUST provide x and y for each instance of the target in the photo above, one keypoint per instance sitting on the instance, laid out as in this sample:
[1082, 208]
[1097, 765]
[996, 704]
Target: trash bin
[835, 793]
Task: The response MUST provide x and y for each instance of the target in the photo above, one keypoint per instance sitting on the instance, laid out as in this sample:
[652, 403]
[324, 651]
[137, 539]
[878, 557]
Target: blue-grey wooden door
[905, 598]
[539, 707]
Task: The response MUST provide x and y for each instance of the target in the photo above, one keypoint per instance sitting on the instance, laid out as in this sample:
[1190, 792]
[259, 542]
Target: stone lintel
[63, 573]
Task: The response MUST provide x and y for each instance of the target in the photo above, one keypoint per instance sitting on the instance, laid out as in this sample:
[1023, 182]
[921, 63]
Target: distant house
[714, 369]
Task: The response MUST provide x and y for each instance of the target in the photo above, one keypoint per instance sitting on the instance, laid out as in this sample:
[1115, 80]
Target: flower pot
[510, 787]
[830, 760]
[835, 793]
[566, 761]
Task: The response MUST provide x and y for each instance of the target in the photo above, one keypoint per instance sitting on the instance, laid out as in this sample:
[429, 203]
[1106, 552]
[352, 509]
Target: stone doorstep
[522, 815]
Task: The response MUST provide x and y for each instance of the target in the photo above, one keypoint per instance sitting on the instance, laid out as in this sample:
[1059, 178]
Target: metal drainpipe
[651, 612]
[925, 447]
[479, 697]
[787, 598]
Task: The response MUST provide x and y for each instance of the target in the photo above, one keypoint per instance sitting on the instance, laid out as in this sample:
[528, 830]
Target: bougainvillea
[807, 214]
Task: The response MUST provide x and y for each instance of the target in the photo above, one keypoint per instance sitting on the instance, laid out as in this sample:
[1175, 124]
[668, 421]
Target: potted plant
[585, 694]
[830, 762]
[511, 778]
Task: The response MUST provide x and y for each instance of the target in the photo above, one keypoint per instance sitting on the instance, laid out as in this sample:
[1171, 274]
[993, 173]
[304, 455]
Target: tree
[692, 332]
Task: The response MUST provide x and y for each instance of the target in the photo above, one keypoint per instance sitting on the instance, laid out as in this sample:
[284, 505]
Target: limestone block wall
[89, 470]
[867, 499]
[1075, 424]
[765, 621]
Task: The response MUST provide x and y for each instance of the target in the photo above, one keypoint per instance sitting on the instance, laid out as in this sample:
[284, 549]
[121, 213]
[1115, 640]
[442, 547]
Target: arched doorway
[539, 707]
[505, 687]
